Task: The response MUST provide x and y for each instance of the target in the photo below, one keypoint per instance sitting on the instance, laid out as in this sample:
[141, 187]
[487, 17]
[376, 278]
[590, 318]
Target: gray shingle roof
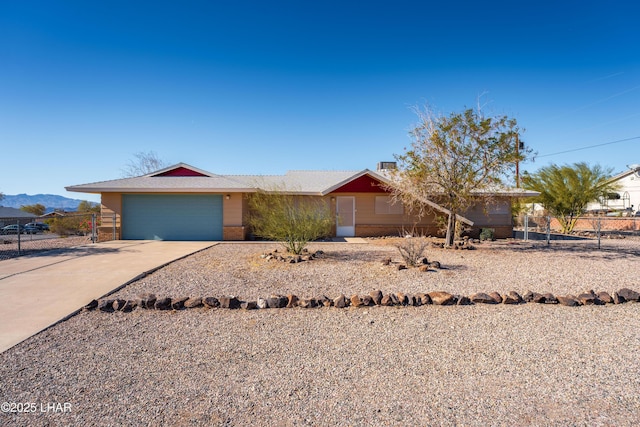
[299, 182]
[7, 212]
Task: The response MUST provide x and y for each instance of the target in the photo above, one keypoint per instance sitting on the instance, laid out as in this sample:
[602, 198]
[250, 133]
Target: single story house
[627, 199]
[182, 202]
[9, 216]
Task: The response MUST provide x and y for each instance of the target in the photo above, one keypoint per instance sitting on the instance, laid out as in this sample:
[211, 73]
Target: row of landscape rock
[374, 298]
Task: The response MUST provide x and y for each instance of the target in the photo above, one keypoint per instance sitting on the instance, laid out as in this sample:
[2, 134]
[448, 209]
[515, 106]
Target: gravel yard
[530, 364]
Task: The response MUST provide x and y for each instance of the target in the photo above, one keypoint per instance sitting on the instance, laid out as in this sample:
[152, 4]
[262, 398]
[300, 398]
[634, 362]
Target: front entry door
[345, 216]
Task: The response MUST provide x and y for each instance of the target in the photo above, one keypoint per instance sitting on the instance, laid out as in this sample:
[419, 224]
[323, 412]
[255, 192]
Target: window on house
[385, 206]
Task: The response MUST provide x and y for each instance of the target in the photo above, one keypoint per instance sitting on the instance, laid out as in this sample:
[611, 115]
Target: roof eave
[159, 190]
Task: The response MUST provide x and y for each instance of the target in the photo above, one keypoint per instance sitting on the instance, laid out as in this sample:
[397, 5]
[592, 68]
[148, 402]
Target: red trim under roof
[363, 184]
[180, 171]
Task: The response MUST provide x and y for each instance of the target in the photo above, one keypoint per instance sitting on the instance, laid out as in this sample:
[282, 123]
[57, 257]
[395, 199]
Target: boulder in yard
[248, 305]
[442, 298]
[496, 297]
[193, 302]
[92, 305]
[568, 300]
[178, 303]
[386, 300]
[229, 302]
[605, 297]
[211, 302]
[482, 298]
[292, 301]
[424, 298]
[589, 298]
[355, 301]
[105, 305]
[464, 300]
[163, 304]
[277, 301]
[147, 300]
[340, 301]
[512, 297]
[629, 295]
[376, 296]
[324, 301]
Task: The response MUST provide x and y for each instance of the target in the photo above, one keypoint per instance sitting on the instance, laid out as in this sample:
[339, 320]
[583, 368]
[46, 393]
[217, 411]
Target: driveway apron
[40, 290]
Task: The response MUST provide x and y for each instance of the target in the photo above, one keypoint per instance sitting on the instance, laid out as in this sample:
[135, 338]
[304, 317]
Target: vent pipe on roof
[386, 166]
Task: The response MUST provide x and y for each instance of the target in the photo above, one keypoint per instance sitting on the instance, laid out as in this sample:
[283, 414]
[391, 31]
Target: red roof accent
[363, 184]
[181, 171]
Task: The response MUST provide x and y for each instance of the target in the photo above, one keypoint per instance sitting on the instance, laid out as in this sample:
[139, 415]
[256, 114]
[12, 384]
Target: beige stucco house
[182, 202]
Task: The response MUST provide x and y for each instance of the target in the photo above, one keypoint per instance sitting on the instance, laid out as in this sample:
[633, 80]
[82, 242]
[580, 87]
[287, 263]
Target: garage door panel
[172, 217]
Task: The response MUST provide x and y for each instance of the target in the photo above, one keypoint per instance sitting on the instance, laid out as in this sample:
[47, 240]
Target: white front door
[345, 216]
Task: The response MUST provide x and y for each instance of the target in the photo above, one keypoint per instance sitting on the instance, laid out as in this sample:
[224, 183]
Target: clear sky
[252, 87]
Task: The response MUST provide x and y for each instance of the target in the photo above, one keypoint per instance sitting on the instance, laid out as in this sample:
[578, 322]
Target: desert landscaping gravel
[477, 365]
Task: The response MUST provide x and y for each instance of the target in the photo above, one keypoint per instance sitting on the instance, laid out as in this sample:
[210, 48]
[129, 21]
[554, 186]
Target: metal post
[114, 226]
[599, 228]
[526, 227]
[548, 230]
[94, 237]
[518, 161]
[18, 233]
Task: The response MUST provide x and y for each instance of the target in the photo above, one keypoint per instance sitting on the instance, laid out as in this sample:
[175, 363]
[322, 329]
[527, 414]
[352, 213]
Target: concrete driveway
[40, 290]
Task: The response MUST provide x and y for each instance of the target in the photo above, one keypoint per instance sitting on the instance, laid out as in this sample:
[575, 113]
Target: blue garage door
[171, 217]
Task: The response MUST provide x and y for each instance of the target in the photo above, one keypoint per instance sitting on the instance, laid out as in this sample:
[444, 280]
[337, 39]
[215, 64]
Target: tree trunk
[451, 230]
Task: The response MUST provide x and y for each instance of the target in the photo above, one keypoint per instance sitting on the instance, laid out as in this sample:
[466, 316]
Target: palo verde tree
[292, 220]
[566, 190]
[456, 161]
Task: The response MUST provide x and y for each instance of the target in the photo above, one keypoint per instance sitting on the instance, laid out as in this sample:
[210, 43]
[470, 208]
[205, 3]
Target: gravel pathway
[478, 365]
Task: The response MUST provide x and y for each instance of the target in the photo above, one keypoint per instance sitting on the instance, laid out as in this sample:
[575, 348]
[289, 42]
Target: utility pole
[517, 161]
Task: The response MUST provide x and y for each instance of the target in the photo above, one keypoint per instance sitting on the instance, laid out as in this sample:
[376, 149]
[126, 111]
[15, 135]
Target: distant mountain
[49, 201]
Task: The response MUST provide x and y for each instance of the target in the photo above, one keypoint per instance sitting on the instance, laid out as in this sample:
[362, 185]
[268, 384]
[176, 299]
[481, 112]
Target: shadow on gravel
[52, 253]
[584, 248]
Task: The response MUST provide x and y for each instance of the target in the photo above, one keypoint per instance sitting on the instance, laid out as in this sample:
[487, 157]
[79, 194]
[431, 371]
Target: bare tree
[143, 164]
[455, 161]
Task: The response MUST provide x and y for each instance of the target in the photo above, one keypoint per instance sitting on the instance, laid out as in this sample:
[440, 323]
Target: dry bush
[412, 250]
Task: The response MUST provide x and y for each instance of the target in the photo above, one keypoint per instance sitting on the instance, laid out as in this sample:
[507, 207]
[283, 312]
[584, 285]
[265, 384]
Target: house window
[386, 206]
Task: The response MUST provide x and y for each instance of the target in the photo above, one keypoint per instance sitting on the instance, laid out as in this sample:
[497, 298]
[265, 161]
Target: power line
[590, 146]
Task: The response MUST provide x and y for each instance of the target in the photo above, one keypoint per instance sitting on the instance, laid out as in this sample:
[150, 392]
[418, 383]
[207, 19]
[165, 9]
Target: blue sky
[263, 87]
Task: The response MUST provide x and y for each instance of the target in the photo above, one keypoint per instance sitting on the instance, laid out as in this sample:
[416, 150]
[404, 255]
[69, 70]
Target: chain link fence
[535, 227]
[26, 236]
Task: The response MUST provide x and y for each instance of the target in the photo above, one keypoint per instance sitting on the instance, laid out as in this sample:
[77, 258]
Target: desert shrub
[66, 226]
[412, 250]
[487, 234]
[293, 221]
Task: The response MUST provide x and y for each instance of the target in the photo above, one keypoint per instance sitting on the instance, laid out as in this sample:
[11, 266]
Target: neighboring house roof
[54, 214]
[633, 169]
[6, 212]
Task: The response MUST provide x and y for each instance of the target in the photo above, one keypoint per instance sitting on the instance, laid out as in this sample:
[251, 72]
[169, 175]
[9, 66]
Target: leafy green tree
[37, 209]
[566, 190]
[456, 161]
[293, 221]
[88, 207]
